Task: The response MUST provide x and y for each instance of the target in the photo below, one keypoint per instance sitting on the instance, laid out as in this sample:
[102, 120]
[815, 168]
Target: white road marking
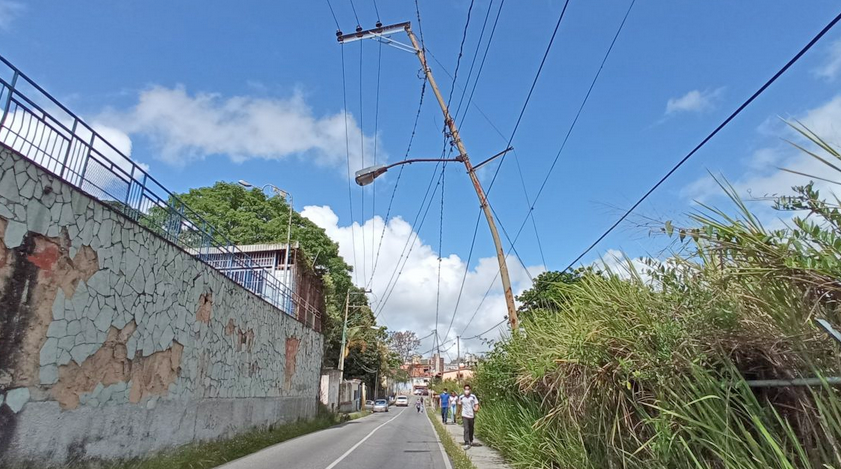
[440, 444]
[347, 453]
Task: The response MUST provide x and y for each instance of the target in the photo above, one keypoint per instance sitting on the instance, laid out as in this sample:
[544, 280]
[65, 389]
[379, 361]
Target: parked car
[369, 404]
[380, 405]
[401, 401]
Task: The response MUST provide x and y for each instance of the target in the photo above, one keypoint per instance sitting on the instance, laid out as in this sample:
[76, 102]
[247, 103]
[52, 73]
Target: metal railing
[36, 125]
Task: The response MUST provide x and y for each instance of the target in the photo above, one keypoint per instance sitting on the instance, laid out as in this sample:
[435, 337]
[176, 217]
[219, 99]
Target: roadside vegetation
[653, 368]
[208, 454]
[457, 455]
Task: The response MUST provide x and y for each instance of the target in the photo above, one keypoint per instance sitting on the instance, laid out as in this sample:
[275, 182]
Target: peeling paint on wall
[205, 309]
[33, 273]
[292, 344]
[110, 365]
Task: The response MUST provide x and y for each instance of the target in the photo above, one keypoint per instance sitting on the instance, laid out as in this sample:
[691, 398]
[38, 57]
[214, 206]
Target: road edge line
[444, 454]
[352, 448]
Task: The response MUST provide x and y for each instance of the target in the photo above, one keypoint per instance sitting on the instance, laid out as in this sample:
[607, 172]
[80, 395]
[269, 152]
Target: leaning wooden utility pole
[380, 33]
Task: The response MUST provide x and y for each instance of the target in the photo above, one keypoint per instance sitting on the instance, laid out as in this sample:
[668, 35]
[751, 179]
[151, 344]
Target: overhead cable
[712, 134]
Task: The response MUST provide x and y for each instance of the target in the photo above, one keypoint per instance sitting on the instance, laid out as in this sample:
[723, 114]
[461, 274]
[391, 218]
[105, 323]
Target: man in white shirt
[469, 404]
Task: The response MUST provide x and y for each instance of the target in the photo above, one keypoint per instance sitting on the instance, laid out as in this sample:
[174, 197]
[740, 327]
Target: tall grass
[652, 371]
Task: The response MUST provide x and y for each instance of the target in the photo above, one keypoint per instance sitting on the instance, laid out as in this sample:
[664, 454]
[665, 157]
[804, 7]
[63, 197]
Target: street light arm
[424, 160]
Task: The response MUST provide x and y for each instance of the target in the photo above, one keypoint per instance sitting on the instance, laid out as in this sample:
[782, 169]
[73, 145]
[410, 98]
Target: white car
[401, 401]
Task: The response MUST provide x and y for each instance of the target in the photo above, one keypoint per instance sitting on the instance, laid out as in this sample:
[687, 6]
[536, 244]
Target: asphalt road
[400, 438]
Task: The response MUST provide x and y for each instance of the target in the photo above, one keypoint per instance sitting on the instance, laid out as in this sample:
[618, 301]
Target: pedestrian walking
[453, 404]
[445, 405]
[469, 407]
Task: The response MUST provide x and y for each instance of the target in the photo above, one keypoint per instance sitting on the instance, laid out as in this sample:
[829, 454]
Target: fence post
[9, 98]
[69, 147]
[85, 163]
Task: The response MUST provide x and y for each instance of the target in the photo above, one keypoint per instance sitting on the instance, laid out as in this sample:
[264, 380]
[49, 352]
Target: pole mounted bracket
[502, 153]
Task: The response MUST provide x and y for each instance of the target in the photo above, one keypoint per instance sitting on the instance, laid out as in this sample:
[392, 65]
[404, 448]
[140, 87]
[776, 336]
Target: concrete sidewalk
[483, 457]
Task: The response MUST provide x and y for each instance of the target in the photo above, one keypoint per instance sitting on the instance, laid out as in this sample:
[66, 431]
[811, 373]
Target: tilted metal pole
[483, 201]
[287, 269]
[344, 336]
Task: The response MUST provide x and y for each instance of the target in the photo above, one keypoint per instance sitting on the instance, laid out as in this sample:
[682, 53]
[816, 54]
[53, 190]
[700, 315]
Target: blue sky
[209, 91]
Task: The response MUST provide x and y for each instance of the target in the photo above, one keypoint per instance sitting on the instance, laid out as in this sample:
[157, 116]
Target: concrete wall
[114, 342]
[330, 381]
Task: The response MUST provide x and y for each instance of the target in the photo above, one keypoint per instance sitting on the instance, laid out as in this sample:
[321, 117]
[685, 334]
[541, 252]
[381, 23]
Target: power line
[484, 57]
[580, 109]
[329, 5]
[710, 136]
[517, 126]
[354, 13]
[420, 26]
[563, 144]
[377, 10]
[460, 52]
[464, 277]
[505, 232]
[398, 270]
[362, 159]
[487, 331]
[416, 231]
[479, 307]
[475, 56]
[347, 153]
[397, 181]
[414, 128]
[440, 246]
[531, 90]
[376, 140]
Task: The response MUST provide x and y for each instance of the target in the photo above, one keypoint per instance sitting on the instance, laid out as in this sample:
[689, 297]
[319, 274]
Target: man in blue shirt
[445, 405]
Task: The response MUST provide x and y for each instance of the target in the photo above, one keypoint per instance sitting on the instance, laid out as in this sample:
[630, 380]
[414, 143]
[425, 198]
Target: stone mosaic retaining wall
[114, 342]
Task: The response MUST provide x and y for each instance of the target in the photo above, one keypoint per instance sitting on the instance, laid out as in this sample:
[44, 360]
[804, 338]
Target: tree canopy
[244, 216]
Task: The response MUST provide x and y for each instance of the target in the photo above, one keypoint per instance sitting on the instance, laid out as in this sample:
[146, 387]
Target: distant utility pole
[458, 355]
[367, 175]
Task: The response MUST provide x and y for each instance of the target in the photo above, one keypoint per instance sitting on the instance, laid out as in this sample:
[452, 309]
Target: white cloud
[832, 64]
[618, 263]
[185, 128]
[9, 11]
[694, 101]
[412, 304]
[762, 176]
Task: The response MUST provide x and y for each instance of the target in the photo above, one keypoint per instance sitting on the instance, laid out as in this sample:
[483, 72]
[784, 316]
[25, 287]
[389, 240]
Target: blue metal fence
[38, 126]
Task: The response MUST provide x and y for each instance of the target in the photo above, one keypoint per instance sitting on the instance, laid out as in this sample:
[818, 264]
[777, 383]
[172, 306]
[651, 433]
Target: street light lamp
[286, 195]
[367, 175]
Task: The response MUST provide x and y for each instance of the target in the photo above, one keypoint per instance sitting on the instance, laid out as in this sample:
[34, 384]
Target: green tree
[547, 290]
[241, 216]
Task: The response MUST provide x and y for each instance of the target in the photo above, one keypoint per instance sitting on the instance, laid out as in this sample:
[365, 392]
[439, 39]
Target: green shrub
[650, 369]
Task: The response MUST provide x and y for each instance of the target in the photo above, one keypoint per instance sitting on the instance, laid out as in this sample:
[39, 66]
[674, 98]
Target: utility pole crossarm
[375, 32]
